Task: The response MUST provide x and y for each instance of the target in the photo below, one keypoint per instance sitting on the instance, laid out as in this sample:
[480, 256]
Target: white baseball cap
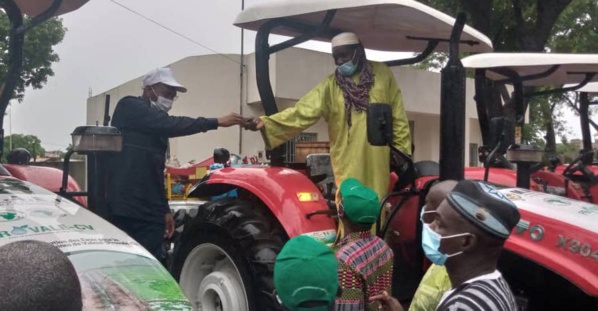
[164, 76]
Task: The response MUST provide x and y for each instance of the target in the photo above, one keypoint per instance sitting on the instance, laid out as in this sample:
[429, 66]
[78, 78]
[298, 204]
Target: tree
[577, 29]
[38, 53]
[513, 25]
[548, 121]
[29, 142]
[530, 26]
[567, 151]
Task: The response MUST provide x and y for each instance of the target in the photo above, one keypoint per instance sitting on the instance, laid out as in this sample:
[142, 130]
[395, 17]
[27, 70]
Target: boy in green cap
[365, 261]
[305, 275]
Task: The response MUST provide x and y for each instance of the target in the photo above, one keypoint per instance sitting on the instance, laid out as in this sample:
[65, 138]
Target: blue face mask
[348, 69]
[431, 244]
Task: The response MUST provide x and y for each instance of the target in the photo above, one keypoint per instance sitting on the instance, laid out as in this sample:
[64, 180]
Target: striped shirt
[489, 292]
[365, 269]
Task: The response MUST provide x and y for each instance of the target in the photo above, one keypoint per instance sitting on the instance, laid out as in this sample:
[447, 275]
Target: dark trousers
[149, 234]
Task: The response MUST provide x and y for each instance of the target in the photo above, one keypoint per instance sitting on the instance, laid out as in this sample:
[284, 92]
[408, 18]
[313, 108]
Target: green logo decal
[9, 215]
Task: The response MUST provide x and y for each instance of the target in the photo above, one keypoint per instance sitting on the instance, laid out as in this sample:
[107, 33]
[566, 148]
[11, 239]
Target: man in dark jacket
[136, 195]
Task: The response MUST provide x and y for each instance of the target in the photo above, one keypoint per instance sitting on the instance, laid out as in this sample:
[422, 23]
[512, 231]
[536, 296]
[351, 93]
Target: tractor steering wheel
[402, 165]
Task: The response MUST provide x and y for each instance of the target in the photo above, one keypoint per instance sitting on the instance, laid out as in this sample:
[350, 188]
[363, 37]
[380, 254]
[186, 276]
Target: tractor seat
[426, 168]
[319, 170]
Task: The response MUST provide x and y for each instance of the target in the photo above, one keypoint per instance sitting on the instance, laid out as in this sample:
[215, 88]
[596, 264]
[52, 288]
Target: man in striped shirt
[479, 219]
[467, 234]
[365, 261]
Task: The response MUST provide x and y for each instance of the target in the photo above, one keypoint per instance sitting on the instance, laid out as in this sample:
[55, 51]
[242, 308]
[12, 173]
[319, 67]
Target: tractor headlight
[96, 139]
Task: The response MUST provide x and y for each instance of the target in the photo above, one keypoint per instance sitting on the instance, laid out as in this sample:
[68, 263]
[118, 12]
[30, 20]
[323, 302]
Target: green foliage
[29, 142]
[577, 29]
[567, 26]
[567, 151]
[38, 53]
[548, 111]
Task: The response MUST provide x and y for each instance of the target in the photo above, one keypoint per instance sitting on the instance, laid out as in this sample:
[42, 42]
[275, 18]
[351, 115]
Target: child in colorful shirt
[365, 261]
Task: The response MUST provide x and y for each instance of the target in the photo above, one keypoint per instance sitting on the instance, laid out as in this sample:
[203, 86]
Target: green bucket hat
[306, 270]
[360, 203]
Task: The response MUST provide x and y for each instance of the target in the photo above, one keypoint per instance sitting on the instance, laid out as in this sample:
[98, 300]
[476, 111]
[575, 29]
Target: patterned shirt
[365, 270]
[489, 292]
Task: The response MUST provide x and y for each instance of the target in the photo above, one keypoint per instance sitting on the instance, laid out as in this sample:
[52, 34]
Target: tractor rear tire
[224, 258]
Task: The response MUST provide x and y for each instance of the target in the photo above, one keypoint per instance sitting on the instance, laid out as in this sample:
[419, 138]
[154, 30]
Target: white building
[214, 88]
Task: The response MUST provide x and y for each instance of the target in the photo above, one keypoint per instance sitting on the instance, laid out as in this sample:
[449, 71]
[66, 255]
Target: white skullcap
[345, 38]
[164, 76]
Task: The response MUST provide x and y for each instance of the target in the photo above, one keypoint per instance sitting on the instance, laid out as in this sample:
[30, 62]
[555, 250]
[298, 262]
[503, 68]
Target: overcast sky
[106, 45]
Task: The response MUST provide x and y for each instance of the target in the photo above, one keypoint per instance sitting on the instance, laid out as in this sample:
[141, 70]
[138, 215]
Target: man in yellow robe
[342, 100]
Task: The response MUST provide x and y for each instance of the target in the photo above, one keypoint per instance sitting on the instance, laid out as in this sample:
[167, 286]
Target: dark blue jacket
[136, 175]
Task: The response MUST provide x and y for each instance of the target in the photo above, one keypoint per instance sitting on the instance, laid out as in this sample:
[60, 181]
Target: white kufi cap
[345, 38]
[164, 76]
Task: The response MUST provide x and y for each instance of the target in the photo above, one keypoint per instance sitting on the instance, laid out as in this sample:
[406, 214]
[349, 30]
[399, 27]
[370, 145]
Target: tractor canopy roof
[34, 8]
[384, 25]
[537, 69]
[591, 88]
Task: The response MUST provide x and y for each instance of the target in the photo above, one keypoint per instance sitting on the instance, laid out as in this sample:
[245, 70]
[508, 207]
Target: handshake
[251, 123]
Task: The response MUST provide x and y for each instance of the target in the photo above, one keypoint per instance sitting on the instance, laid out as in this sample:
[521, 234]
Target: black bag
[380, 133]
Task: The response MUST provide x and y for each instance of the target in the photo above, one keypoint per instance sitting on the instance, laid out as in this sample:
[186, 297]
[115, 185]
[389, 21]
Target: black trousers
[149, 234]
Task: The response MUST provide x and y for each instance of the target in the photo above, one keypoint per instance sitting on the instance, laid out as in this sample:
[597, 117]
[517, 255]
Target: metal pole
[107, 111]
[10, 128]
[452, 110]
[584, 119]
[242, 69]
[15, 60]
[16, 39]
[524, 172]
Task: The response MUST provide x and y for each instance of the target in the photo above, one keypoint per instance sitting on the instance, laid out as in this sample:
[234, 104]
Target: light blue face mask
[348, 69]
[431, 243]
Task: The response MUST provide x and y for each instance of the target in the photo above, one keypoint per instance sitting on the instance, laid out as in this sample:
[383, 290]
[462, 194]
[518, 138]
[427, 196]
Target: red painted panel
[46, 177]
[278, 187]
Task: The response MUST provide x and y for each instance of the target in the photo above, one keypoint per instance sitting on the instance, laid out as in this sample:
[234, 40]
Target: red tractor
[578, 179]
[225, 248]
[114, 271]
[226, 244]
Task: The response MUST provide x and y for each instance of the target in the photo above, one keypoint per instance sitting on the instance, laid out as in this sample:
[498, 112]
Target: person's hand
[231, 119]
[387, 302]
[254, 124]
[169, 229]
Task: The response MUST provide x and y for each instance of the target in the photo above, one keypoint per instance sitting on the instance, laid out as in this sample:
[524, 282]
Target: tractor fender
[558, 233]
[574, 191]
[48, 178]
[278, 189]
[498, 176]
[561, 169]
[593, 187]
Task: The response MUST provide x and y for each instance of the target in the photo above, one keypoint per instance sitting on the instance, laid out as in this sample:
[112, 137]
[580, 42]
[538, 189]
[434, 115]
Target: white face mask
[162, 103]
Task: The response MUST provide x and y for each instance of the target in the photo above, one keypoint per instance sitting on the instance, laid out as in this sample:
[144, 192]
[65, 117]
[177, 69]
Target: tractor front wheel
[225, 256]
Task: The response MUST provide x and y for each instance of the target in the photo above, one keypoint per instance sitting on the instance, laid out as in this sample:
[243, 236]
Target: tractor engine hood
[559, 233]
[115, 272]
